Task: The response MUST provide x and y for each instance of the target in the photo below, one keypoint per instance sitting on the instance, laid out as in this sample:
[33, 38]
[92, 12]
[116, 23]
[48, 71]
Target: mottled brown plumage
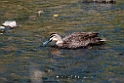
[76, 39]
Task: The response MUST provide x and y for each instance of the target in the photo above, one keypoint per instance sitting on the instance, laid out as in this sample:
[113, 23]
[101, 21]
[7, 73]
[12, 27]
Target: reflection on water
[55, 52]
[22, 60]
[35, 74]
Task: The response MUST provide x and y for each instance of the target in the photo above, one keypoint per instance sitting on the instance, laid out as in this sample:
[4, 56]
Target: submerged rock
[99, 1]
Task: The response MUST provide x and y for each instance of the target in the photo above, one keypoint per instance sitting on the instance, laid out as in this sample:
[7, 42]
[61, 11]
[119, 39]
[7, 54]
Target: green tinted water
[22, 60]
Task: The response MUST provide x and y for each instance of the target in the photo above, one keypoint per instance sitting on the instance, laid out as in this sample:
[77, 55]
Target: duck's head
[53, 37]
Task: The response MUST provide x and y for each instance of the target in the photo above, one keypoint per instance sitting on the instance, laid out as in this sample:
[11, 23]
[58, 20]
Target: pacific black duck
[75, 40]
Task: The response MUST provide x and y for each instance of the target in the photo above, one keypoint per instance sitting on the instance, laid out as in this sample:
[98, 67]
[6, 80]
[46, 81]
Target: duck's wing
[81, 35]
[78, 39]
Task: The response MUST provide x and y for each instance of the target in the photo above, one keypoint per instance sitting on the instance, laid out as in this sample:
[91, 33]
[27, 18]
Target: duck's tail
[103, 40]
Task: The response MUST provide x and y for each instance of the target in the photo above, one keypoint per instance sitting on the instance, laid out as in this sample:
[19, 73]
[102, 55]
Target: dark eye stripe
[53, 34]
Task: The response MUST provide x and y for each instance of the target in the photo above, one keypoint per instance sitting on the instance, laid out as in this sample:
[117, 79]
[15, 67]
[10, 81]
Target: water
[23, 60]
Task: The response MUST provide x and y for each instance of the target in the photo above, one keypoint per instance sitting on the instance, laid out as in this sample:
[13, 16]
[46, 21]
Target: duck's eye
[52, 36]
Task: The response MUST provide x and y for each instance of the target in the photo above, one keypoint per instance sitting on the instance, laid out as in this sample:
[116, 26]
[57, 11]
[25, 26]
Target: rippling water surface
[22, 60]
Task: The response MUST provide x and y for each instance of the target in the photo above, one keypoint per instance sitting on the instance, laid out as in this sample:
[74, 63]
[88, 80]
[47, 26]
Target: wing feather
[78, 39]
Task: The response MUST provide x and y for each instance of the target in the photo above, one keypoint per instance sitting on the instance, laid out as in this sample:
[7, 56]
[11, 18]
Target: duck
[75, 39]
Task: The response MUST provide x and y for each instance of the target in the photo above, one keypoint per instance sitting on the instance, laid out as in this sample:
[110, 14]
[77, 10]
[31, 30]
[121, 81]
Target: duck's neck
[60, 41]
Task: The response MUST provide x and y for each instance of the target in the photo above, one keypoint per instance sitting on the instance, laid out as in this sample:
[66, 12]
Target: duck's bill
[46, 42]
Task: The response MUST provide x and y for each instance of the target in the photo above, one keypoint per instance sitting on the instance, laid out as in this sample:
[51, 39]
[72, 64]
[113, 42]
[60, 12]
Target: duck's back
[80, 39]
